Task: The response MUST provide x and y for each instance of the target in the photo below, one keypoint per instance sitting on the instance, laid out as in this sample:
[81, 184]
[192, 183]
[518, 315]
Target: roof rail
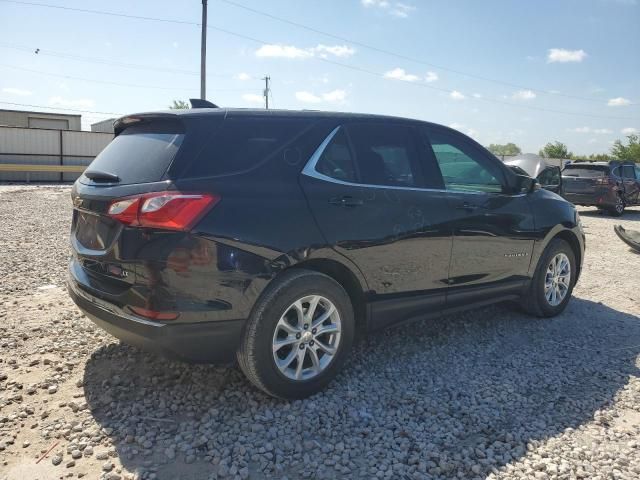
[199, 103]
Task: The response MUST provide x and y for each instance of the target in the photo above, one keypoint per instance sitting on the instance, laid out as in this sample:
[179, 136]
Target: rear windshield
[591, 171]
[141, 153]
[243, 143]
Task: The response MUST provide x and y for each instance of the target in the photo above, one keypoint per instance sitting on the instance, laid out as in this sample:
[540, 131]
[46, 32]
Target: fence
[39, 146]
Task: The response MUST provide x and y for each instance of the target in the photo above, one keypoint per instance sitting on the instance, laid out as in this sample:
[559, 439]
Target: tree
[179, 105]
[631, 151]
[555, 150]
[506, 149]
[594, 157]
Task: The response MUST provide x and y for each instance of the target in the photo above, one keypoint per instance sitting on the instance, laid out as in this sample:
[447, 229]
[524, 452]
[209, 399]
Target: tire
[535, 301]
[275, 318]
[618, 209]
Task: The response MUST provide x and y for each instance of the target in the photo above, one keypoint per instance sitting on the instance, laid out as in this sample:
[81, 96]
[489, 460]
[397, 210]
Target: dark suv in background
[610, 186]
[271, 237]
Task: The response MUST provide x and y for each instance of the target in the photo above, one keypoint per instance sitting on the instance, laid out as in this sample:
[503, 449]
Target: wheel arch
[347, 278]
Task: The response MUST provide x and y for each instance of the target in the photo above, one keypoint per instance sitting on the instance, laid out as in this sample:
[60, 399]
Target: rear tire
[618, 209]
[552, 284]
[287, 350]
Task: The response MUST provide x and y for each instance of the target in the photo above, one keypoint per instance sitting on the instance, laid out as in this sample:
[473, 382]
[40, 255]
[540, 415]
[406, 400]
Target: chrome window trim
[310, 171]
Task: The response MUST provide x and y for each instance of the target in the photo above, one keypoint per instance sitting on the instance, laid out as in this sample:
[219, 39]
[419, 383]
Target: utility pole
[266, 91]
[203, 53]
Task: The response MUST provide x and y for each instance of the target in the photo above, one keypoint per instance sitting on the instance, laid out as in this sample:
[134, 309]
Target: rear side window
[243, 143]
[549, 176]
[590, 171]
[386, 154]
[141, 153]
[336, 160]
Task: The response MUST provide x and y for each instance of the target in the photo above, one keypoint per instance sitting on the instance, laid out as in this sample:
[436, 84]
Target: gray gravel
[486, 394]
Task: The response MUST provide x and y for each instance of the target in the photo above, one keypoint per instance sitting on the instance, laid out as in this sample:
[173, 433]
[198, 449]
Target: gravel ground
[486, 394]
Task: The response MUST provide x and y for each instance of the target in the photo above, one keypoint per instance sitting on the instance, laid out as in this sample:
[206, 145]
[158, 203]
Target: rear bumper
[605, 198]
[201, 342]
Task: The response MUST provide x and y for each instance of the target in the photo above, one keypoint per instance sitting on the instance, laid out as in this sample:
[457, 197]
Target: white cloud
[400, 74]
[335, 96]
[561, 55]
[456, 126]
[291, 51]
[431, 77]
[282, 51]
[17, 91]
[341, 51]
[629, 131]
[477, 95]
[396, 9]
[253, 98]
[242, 76]
[175, 44]
[597, 131]
[401, 10]
[618, 102]
[71, 103]
[524, 95]
[456, 95]
[307, 97]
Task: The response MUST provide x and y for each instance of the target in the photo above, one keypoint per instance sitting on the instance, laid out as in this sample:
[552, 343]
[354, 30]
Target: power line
[107, 82]
[314, 30]
[402, 56]
[58, 108]
[256, 40]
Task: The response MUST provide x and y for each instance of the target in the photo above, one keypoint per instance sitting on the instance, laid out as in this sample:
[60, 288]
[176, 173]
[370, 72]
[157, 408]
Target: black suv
[271, 237]
[610, 186]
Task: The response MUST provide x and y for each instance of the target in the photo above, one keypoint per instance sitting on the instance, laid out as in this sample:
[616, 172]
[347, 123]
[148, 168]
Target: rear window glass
[592, 171]
[141, 153]
[243, 143]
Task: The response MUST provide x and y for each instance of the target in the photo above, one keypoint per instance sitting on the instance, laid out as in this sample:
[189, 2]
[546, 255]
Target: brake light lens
[163, 210]
[154, 315]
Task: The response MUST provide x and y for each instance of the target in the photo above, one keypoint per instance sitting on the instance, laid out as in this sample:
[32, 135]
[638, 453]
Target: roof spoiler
[199, 103]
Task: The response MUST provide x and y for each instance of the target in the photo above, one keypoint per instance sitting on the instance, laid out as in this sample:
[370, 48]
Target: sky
[498, 70]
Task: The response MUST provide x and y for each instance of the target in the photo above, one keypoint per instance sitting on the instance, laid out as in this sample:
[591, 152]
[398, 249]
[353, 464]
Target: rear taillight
[163, 210]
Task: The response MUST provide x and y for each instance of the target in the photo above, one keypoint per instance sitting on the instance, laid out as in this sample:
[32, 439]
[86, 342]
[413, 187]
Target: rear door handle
[346, 201]
[469, 207]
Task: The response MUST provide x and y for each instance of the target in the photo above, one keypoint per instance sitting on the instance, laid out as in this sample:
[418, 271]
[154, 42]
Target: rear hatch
[136, 162]
[585, 179]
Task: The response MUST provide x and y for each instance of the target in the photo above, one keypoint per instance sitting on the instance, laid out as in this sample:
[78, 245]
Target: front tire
[552, 284]
[298, 336]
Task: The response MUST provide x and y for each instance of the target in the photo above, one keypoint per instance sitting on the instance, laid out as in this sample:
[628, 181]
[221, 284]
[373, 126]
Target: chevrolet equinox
[272, 237]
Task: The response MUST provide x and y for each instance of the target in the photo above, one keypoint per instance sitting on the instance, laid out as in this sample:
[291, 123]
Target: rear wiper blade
[98, 175]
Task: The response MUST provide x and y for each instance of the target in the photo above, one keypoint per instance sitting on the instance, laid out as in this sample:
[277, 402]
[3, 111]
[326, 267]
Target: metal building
[105, 126]
[56, 121]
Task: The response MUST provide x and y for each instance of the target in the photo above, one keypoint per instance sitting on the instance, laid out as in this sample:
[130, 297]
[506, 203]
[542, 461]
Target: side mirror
[525, 184]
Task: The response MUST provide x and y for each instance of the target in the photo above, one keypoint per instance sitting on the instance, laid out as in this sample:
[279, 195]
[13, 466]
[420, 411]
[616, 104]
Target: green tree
[179, 105]
[506, 149]
[555, 150]
[630, 151]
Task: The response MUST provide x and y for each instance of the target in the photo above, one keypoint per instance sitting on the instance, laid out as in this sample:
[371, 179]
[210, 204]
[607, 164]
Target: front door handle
[346, 201]
[469, 207]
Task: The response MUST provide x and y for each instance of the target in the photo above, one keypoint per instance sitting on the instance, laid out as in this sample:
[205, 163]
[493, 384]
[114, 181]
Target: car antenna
[199, 103]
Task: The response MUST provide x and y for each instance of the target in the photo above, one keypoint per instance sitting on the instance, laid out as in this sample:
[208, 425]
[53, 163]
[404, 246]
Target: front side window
[627, 171]
[464, 168]
[550, 176]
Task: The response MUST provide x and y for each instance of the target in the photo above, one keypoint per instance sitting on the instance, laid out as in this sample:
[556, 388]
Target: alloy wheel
[557, 279]
[307, 337]
[619, 205]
